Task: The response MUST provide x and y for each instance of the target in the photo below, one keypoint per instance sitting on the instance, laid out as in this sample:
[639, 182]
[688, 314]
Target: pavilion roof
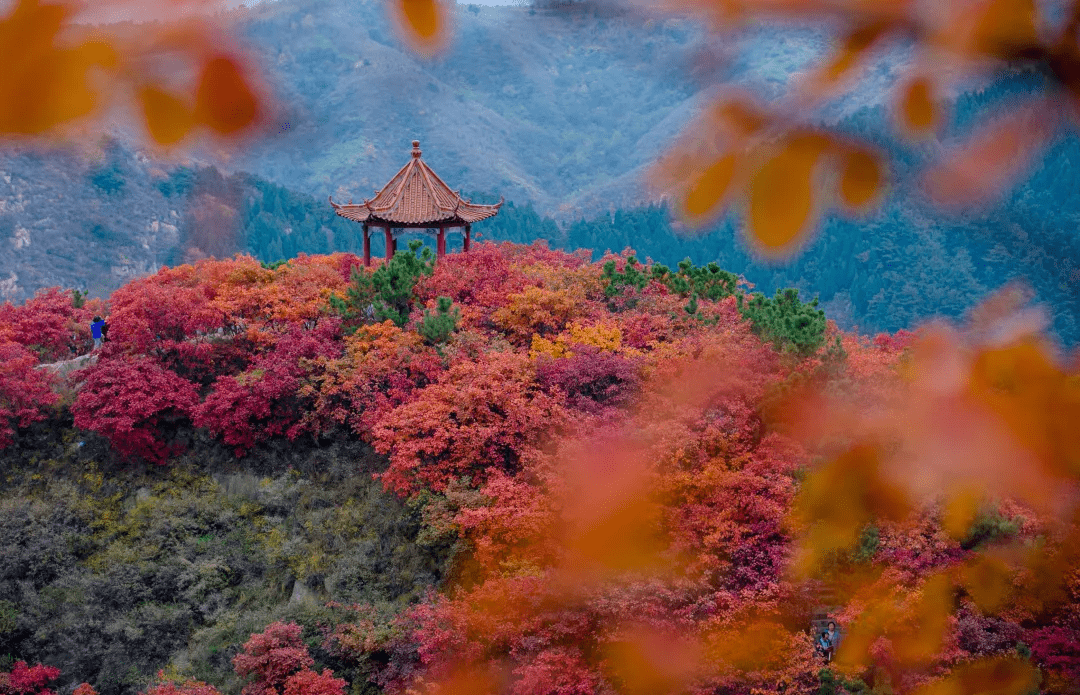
[416, 197]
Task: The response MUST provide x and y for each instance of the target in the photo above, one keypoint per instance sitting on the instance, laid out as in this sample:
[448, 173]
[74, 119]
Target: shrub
[620, 286]
[535, 310]
[708, 282]
[1057, 649]
[25, 392]
[282, 666]
[388, 290]
[28, 680]
[480, 416]
[265, 400]
[134, 403]
[186, 687]
[436, 328]
[271, 656]
[789, 324]
[53, 324]
[590, 378]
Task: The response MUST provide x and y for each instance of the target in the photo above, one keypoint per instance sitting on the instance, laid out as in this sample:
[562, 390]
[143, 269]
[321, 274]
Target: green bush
[709, 281]
[179, 183]
[615, 282]
[789, 324]
[436, 328]
[386, 293]
[115, 576]
[987, 528]
[868, 544]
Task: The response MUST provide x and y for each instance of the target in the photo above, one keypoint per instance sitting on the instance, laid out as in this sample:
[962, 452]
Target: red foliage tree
[281, 665]
[269, 398]
[307, 682]
[480, 416]
[25, 392]
[480, 281]
[539, 253]
[670, 524]
[152, 314]
[50, 324]
[590, 379]
[1057, 649]
[131, 401]
[28, 680]
[382, 369]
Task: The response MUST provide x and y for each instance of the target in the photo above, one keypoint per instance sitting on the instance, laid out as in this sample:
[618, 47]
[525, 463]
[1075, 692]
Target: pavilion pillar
[468, 230]
[440, 245]
[367, 247]
[389, 243]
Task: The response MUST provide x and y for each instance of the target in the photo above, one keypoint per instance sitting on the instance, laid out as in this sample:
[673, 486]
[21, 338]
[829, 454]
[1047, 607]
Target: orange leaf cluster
[778, 168]
[776, 154]
[58, 74]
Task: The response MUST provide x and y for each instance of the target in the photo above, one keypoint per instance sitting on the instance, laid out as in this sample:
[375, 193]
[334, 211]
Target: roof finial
[416, 148]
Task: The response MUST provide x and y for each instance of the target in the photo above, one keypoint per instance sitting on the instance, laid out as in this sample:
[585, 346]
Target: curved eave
[474, 213]
[352, 211]
[465, 213]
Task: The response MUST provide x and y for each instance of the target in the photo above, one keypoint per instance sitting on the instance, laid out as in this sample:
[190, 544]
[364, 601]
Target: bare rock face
[301, 594]
[65, 368]
[74, 219]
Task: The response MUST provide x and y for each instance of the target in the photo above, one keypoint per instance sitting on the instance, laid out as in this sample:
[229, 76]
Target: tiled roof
[416, 196]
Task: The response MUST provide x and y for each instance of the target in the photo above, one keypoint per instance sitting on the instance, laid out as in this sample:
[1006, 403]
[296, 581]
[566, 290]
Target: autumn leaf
[781, 205]
[423, 23]
[960, 510]
[1004, 27]
[839, 499]
[711, 188]
[995, 155]
[738, 116]
[918, 109]
[757, 645]
[224, 99]
[168, 118]
[861, 178]
[854, 47]
[1000, 675]
[988, 580]
[925, 639]
[44, 83]
[647, 662]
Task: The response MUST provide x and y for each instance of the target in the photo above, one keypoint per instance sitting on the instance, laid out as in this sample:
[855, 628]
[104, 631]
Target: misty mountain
[561, 112]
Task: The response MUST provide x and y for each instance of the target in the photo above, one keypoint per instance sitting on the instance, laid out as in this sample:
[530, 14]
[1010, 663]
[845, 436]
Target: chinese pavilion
[415, 198]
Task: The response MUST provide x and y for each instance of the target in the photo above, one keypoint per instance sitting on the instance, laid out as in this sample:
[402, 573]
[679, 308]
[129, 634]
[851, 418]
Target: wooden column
[367, 247]
[389, 243]
[440, 245]
[468, 229]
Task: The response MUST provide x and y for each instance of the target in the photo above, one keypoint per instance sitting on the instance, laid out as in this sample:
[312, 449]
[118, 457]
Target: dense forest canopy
[312, 447]
[519, 470]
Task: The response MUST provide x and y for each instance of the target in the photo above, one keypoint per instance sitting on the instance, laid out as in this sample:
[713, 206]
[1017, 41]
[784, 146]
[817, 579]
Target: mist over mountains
[561, 109]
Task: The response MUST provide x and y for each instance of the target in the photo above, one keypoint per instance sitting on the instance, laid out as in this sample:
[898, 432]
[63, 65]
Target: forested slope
[903, 263]
[515, 465]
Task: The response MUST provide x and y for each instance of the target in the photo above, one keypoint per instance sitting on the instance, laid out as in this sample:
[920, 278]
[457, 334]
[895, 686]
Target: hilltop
[383, 459]
[560, 113]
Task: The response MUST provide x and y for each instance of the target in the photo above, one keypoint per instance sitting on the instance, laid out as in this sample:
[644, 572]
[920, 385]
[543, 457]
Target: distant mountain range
[552, 108]
[561, 109]
[561, 112]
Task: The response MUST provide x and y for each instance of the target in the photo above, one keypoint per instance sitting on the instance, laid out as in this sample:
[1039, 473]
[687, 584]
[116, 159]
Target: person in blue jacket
[95, 331]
